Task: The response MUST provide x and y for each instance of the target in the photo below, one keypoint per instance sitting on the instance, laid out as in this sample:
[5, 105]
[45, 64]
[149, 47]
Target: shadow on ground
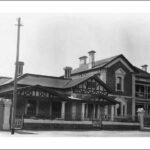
[24, 132]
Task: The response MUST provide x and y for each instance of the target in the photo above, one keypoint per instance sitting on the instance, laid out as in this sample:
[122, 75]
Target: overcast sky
[51, 41]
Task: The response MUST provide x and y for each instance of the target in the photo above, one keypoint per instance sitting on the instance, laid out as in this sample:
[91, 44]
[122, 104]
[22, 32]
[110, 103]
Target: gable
[123, 61]
[120, 71]
[91, 86]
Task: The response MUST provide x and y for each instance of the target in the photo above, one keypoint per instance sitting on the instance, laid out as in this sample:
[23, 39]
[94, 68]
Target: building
[61, 98]
[106, 89]
[130, 85]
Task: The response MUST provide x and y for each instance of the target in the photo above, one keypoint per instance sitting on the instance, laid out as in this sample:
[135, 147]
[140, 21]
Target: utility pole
[14, 101]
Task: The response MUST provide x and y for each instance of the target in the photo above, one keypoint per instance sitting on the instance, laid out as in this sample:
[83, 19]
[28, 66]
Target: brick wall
[129, 106]
[111, 80]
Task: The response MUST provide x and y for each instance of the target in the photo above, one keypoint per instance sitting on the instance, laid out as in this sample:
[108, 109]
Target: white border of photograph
[74, 142]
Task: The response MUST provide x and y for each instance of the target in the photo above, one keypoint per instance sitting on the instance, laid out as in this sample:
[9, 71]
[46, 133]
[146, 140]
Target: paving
[76, 133]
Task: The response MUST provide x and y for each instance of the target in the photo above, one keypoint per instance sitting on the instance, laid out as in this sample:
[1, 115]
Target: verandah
[36, 101]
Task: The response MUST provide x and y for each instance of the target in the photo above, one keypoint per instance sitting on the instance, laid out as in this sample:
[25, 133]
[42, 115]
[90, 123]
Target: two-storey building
[130, 85]
[108, 88]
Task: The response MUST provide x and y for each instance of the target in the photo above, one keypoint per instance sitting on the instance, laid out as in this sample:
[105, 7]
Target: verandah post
[63, 110]
[82, 111]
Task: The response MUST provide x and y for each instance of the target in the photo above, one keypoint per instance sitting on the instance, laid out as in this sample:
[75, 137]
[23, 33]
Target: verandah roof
[30, 88]
[92, 98]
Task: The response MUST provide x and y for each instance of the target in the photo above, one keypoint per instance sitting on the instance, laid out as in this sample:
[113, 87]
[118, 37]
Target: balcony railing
[142, 95]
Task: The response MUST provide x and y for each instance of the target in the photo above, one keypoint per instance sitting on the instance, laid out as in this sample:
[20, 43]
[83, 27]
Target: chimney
[91, 59]
[20, 68]
[82, 60]
[67, 74]
[144, 67]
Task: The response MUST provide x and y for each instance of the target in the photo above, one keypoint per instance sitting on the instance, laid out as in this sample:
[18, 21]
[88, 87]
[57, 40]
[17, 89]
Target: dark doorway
[31, 108]
[119, 110]
[44, 108]
[90, 111]
[56, 110]
[68, 111]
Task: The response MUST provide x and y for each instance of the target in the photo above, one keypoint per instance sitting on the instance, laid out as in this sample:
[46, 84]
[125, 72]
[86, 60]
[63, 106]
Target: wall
[85, 73]
[129, 106]
[20, 108]
[1, 115]
[5, 105]
[78, 110]
[111, 80]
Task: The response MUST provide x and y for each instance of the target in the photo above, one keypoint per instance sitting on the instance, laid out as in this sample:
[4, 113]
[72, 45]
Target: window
[142, 90]
[119, 83]
[120, 79]
[91, 85]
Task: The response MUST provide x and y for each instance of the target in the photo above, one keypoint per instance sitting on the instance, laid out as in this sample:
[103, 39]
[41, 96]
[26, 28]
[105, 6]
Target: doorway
[31, 108]
[56, 110]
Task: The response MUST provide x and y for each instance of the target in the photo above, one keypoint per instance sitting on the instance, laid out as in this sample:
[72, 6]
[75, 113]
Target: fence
[87, 119]
[84, 117]
[67, 116]
[19, 121]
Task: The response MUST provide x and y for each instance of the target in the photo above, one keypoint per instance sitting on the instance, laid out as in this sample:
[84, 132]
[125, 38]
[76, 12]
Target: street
[75, 133]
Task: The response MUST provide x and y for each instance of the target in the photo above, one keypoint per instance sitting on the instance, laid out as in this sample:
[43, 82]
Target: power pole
[14, 101]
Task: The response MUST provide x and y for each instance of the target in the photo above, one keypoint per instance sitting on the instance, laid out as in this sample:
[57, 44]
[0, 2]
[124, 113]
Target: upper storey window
[120, 74]
[119, 83]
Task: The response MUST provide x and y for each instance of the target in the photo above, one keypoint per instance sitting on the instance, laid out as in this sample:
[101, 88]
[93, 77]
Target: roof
[33, 79]
[10, 91]
[141, 73]
[51, 82]
[98, 64]
[77, 81]
[102, 63]
[106, 97]
[4, 79]
[61, 95]
[93, 98]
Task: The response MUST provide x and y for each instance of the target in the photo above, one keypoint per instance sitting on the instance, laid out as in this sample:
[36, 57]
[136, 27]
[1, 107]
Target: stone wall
[5, 108]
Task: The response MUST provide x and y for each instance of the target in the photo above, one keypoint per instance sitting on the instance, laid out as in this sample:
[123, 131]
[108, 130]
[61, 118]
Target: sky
[51, 41]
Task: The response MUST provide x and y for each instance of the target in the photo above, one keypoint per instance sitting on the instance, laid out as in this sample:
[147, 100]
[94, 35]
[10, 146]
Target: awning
[96, 98]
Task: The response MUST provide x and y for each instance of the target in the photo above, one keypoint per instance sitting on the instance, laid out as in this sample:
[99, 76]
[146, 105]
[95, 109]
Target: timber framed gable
[91, 86]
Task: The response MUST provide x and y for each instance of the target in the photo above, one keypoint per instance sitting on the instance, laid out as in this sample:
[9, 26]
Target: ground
[98, 133]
